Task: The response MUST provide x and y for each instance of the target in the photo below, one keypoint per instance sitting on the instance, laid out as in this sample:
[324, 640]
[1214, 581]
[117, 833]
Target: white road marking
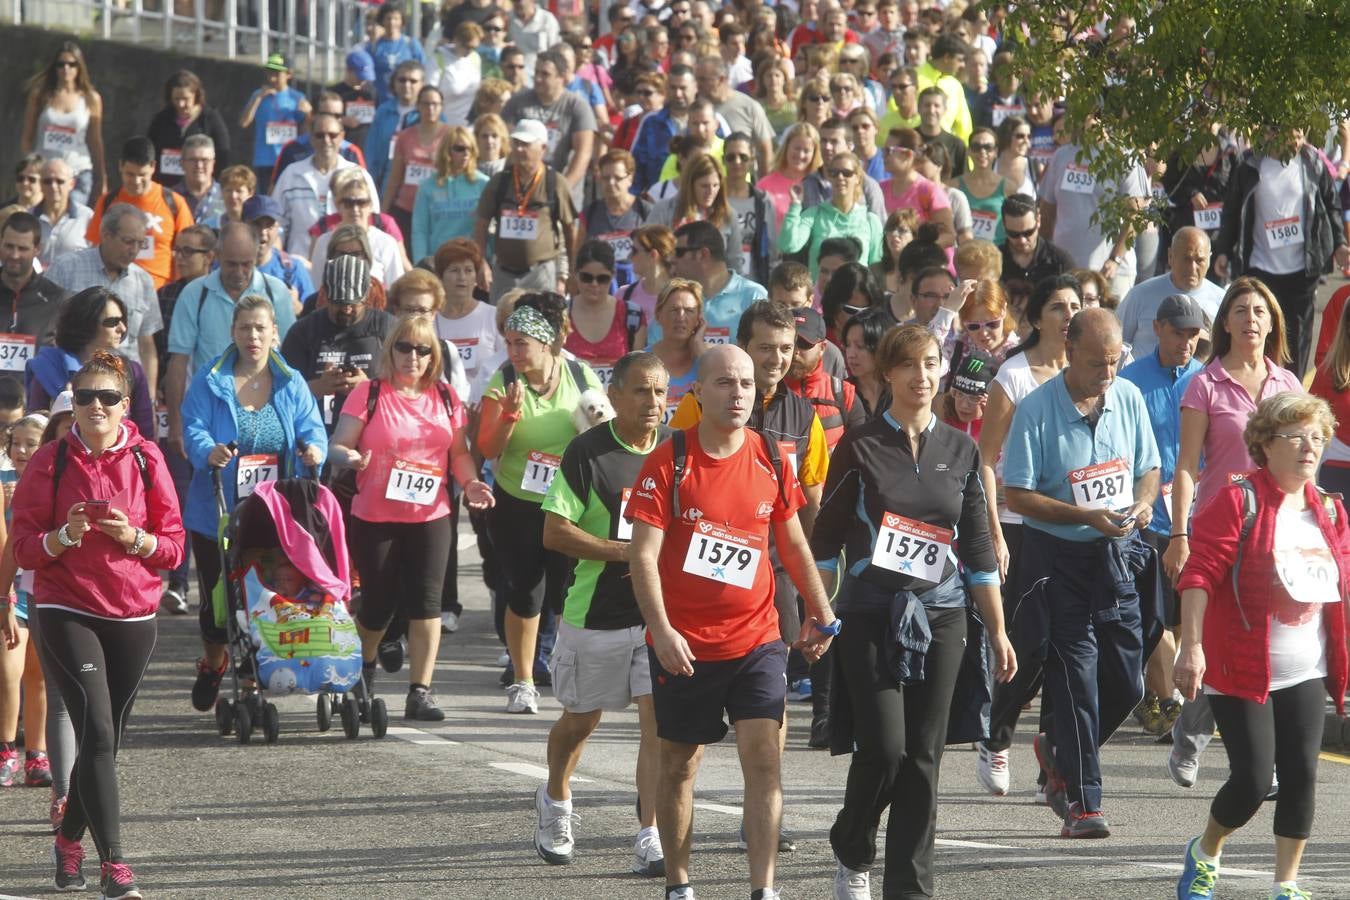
[719, 808]
[418, 736]
[531, 771]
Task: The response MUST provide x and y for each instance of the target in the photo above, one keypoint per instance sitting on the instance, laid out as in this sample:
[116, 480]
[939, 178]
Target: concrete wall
[131, 79]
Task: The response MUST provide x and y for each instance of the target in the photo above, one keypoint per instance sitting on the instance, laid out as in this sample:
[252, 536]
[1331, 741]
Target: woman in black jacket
[185, 113]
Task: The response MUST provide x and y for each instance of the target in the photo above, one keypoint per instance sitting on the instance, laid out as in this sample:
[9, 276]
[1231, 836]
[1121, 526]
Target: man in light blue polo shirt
[1187, 261]
[1081, 465]
[701, 255]
[203, 318]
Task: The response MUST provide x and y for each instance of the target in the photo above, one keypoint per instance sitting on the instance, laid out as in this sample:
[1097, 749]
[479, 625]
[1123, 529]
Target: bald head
[1096, 324]
[1094, 352]
[725, 388]
[1188, 257]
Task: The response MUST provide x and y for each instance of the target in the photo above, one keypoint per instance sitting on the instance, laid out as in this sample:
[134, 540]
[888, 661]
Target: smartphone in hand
[96, 509]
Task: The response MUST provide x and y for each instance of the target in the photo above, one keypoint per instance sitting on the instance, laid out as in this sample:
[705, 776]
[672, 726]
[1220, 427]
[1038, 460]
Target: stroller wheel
[379, 718]
[323, 710]
[224, 716]
[351, 717]
[271, 723]
[243, 723]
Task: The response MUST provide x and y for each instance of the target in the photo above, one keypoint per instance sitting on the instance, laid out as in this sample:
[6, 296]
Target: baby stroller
[284, 608]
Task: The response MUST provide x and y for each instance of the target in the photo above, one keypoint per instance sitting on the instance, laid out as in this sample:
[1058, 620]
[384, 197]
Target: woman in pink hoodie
[96, 518]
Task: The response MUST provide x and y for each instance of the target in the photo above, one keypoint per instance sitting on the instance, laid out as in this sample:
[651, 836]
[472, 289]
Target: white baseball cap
[64, 403]
[530, 131]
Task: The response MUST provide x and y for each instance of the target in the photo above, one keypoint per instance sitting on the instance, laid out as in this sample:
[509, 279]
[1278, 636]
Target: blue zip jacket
[445, 211]
[210, 417]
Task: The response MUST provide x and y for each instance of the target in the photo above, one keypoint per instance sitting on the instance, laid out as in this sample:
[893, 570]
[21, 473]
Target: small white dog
[592, 409]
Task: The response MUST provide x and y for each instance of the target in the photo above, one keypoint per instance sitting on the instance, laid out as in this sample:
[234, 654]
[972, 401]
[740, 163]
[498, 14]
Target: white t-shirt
[302, 191]
[1304, 563]
[1017, 380]
[1278, 231]
[480, 346]
[386, 265]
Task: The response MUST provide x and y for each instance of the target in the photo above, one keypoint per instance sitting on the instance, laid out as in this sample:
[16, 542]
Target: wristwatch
[831, 629]
[63, 537]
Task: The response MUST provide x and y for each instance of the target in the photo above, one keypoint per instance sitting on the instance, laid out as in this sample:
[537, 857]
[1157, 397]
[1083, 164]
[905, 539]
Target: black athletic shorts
[694, 709]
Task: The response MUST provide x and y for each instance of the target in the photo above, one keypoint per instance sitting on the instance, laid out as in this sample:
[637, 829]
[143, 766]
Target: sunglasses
[107, 397]
[460, 148]
[354, 202]
[1024, 235]
[803, 344]
[736, 157]
[407, 347]
[818, 98]
[66, 64]
[113, 321]
[983, 326]
[983, 148]
[27, 179]
[591, 278]
[853, 310]
[842, 173]
[188, 251]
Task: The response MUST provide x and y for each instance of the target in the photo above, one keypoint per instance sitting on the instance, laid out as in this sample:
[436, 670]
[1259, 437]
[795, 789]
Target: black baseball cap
[974, 373]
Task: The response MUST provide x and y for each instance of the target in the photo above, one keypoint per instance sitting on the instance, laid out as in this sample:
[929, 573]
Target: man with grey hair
[199, 186]
[533, 29]
[1187, 263]
[64, 222]
[568, 120]
[1081, 465]
[123, 234]
[738, 110]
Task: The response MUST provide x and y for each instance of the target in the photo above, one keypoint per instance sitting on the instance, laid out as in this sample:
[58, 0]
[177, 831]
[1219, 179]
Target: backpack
[680, 454]
[577, 369]
[170, 200]
[59, 467]
[201, 298]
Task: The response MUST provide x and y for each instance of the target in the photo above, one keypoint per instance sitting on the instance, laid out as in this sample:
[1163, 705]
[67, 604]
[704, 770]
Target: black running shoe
[422, 707]
[391, 654]
[206, 688]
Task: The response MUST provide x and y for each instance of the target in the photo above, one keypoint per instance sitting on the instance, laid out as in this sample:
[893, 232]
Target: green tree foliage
[1185, 69]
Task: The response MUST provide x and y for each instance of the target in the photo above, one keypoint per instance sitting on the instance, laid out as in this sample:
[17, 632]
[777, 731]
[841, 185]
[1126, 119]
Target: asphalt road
[446, 811]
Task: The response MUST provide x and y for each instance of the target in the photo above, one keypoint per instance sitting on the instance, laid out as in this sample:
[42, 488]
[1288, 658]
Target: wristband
[510, 416]
[1173, 537]
[63, 537]
[140, 541]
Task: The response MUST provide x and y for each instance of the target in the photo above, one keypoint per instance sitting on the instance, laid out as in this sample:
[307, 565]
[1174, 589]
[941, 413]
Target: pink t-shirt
[778, 188]
[923, 196]
[602, 354]
[410, 435]
[1214, 392]
[419, 163]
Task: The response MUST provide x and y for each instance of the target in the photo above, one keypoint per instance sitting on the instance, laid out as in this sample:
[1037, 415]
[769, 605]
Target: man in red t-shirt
[700, 564]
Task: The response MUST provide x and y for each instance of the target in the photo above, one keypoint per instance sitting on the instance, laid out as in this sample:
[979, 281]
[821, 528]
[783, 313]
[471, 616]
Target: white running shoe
[449, 623]
[504, 660]
[522, 697]
[649, 860]
[553, 834]
[850, 884]
[684, 893]
[992, 770]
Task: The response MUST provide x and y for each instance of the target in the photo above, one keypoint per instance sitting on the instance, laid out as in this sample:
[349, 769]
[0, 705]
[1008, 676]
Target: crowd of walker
[772, 353]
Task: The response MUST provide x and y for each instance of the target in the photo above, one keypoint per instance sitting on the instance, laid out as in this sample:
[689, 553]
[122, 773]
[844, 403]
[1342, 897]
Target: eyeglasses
[185, 250]
[818, 98]
[592, 278]
[113, 321]
[1091, 298]
[983, 148]
[1316, 441]
[28, 179]
[407, 347]
[736, 157]
[327, 135]
[460, 148]
[933, 295]
[1023, 235]
[354, 202]
[843, 173]
[984, 326]
[86, 397]
[198, 160]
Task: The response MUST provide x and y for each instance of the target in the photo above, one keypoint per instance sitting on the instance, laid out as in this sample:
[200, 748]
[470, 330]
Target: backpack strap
[680, 458]
[170, 200]
[201, 301]
[632, 320]
[779, 465]
[578, 371]
[59, 467]
[627, 295]
[372, 398]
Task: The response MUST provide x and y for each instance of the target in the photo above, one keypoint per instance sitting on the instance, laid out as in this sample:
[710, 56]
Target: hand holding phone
[96, 510]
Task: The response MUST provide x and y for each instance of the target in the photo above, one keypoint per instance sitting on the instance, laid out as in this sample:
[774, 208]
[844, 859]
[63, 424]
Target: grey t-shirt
[563, 118]
[743, 114]
[1077, 193]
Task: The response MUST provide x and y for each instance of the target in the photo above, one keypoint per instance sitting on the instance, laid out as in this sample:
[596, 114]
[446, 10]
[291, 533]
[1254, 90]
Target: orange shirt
[165, 222]
[720, 538]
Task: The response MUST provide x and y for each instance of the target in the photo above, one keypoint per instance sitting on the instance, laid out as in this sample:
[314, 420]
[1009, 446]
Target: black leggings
[402, 566]
[534, 576]
[97, 665]
[207, 553]
[1284, 733]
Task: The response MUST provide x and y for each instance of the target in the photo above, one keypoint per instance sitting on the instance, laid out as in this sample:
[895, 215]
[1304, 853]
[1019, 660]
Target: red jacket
[99, 577]
[834, 400]
[1236, 634]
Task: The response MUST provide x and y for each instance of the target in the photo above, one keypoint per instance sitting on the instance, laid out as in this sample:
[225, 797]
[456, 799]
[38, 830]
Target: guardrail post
[199, 13]
[168, 15]
[290, 30]
[264, 30]
[231, 28]
[331, 9]
[106, 19]
[137, 13]
[311, 52]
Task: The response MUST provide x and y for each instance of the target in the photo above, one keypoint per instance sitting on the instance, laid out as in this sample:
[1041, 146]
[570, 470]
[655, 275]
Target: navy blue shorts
[690, 710]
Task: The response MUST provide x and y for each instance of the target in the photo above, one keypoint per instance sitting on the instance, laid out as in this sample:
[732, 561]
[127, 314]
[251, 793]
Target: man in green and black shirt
[600, 659]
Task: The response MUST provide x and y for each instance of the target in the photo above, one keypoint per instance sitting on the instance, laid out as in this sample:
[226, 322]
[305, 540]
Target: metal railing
[314, 34]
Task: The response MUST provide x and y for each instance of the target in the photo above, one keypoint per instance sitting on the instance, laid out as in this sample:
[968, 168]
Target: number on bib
[1077, 180]
[1106, 485]
[622, 244]
[58, 138]
[624, 531]
[468, 352]
[161, 422]
[540, 468]
[724, 554]
[15, 351]
[1284, 233]
[519, 226]
[253, 471]
[1208, 219]
[416, 483]
[416, 173]
[171, 161]
[909, 547]
[278, 134]
[361, 111]
[983, 224]
[717, 336]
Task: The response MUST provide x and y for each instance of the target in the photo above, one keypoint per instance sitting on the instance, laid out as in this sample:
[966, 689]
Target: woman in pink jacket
[96, 518]
[1263, 632]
